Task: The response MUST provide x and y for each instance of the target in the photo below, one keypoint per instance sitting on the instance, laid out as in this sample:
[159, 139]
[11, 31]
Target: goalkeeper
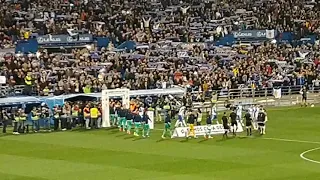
[146, 126]
[167, 126]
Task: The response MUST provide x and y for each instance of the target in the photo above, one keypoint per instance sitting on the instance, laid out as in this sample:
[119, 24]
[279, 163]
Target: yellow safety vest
[17, 118]
[34, 116]
[75, 113]
[28, 80]
[166, 107]
[87, 90]
[94, 112]
[23, 118]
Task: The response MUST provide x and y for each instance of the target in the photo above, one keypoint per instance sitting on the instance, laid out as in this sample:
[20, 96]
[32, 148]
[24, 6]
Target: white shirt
[141, 110]
[146, 22]
[182, 111]
[239, 109]
[184, 10]
[214, 110]
[251, 111]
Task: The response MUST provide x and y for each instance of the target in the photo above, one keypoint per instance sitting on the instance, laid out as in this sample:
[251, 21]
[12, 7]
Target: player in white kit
[256, 111]
[214, 114]
[181, 121]
[239, 113]
[251, 112]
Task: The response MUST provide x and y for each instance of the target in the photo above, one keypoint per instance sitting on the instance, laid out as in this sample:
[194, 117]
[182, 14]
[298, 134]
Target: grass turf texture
[113, 155]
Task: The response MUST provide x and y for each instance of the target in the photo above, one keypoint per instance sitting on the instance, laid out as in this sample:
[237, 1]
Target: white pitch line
[291, 140]
[307, 159]
[277, 139]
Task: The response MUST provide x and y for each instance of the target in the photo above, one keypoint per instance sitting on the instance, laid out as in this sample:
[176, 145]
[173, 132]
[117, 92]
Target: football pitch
[288, 152]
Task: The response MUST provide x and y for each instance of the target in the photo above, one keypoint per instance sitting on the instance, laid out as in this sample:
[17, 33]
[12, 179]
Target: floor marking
[307, 159]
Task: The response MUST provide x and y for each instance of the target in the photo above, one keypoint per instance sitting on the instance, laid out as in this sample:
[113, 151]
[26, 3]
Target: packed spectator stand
[64, 47]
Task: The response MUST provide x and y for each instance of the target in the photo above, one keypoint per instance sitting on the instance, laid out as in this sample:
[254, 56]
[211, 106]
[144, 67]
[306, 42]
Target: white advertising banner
[3, 80]
[201, 130]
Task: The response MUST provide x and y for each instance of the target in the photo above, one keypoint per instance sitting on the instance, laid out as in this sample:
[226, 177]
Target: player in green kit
[122, 118]
[116, 115]
[129, 118]
[167, 126]
[112, 114]
[146, 126]
[137, 124]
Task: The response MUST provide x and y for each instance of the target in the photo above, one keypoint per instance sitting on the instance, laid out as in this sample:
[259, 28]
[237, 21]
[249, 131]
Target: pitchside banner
[201, 130]
[255, 34]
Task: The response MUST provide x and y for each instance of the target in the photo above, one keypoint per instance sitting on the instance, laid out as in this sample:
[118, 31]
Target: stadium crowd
[161, 64]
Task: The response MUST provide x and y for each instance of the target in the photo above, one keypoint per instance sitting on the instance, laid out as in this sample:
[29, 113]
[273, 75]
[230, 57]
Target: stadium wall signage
[255, 34]
[64, 39]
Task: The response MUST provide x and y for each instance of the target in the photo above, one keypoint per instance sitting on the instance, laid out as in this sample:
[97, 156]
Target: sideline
[307, 159]
[275, 139]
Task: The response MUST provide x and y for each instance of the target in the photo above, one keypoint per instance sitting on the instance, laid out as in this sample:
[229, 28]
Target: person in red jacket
[86, 115]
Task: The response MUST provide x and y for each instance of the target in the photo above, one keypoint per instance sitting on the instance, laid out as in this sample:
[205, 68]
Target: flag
[270, 34]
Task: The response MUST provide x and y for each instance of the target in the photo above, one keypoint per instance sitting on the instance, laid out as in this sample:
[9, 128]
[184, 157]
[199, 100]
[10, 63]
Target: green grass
[111, 155]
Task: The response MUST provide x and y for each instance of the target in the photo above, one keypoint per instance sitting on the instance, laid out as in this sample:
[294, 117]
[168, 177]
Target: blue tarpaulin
[17, 101]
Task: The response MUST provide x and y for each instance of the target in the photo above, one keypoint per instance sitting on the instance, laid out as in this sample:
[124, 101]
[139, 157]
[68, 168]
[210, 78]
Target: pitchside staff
[234, 124]
[304, 93]
[248, 119]
[225, 125]
[262, 118]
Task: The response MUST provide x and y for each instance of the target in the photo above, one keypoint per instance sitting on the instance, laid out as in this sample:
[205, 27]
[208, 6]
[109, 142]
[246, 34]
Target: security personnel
[86, 115]
[28, 83]
[56, 117]
[94, 113]
[28, 79]
[35, 116]
[75, 115]
[16, 122]
[22, 121]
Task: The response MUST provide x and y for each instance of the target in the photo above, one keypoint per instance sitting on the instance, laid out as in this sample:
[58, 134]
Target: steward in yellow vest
[22, 122]
[94, 114]
[28, 80]
[35, 116]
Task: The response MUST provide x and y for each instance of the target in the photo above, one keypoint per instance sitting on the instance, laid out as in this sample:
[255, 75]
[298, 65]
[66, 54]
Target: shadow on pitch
[160, 140]
[203, 140]
[138, 139]
[185, 140]
[121, 135]
[130, 137]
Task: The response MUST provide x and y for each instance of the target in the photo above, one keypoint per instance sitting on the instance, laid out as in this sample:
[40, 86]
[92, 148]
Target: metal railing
[290, 95]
